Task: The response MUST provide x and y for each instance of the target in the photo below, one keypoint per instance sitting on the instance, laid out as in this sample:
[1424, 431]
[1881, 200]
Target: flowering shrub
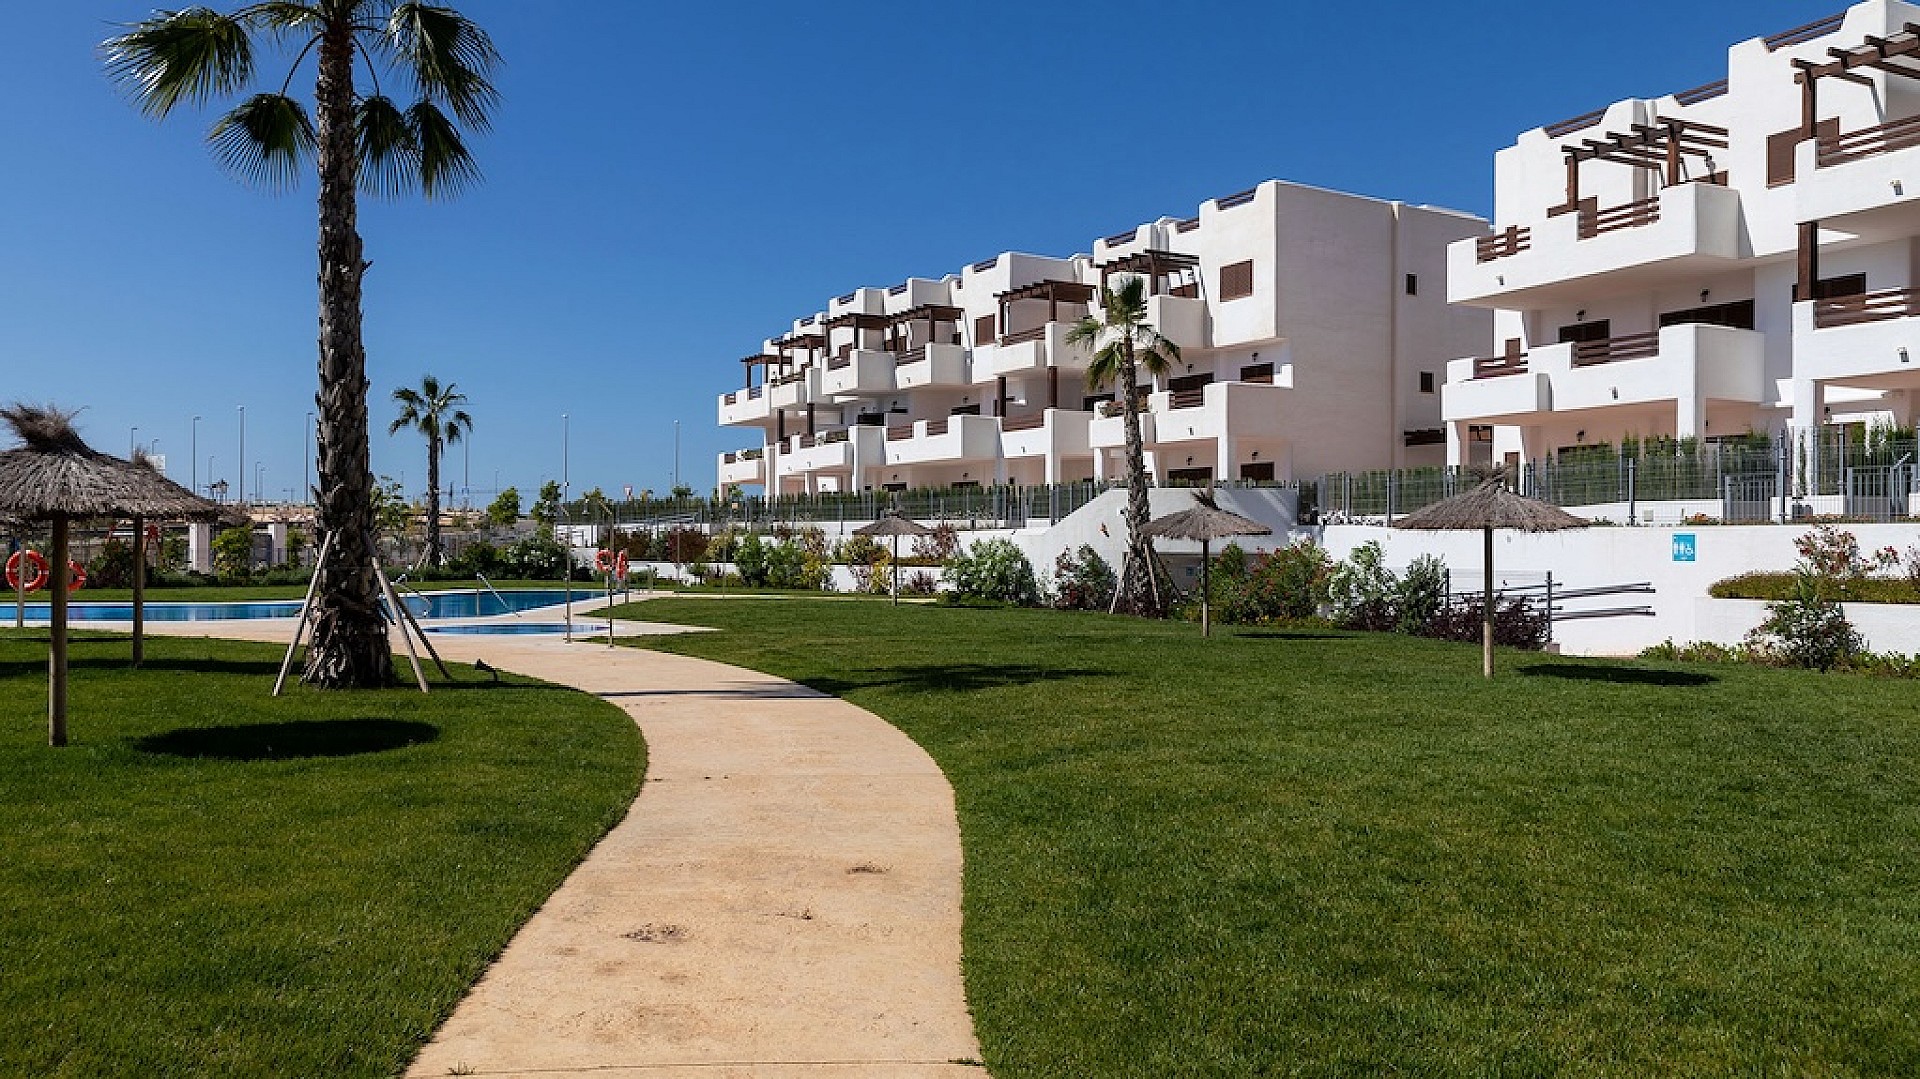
[1422, 595]
[1363, 590]
[993, 570]
[1288, 585]
[1834, 553]
[1082, 581]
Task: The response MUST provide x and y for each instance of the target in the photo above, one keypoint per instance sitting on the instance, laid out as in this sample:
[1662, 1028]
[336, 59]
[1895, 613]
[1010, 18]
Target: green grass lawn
[211, 882]
[1321, 853]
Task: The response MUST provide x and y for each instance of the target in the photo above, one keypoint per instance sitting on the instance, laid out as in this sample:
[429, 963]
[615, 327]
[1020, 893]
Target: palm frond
[445, 164]
[280, 17]
[389, 152]
[190, 55]
[449, 56]
[264, 140]
[1104, 368]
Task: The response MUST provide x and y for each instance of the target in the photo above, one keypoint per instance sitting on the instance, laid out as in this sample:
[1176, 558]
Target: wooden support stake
[306, 612]
[399, 621]
[426, 642]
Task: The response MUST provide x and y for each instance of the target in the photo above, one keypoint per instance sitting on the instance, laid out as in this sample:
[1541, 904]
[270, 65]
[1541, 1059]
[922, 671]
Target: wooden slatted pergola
[1661, 146]
[900, 326]
[1158, 267]
[1054, 292]
[860, 322]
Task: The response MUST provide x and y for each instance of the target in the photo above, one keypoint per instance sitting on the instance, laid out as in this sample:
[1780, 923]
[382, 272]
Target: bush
[936, 548]
[1288, 585]
[1422, 595]
[919, 583]
[750, 561]
[1809, 629]
[113, 566]
[793, 565]
[684, 544]
[994, 570]
[476, 557]
[1364, 591]
[536, 558]
[233, 553]
[1516, 623]
[1082, 580]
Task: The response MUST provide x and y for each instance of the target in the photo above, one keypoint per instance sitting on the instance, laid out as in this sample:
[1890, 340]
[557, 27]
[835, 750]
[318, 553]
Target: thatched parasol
[894, 523]
[1487, 507]
[1205, 521]
[56, 477]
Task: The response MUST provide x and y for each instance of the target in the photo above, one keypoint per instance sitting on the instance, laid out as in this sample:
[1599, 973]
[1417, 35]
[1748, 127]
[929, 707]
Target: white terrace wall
[1597, 557]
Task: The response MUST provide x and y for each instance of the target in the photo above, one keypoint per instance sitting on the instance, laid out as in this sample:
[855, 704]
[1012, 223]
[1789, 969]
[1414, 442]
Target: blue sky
[667, 184]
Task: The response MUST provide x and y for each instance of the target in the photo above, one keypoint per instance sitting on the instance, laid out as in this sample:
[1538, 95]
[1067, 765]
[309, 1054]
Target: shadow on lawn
[1293, 635]
[949, 677]
[290, 741]
[1630, 676]
[120, 660]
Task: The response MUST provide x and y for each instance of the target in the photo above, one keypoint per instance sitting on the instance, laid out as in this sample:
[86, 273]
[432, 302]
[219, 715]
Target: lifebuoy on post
[620, 566]
[153, 533]
[35, 561]
[76, 576]
[603, 561]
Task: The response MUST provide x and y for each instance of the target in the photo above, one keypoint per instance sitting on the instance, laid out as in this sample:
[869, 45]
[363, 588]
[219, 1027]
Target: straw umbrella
[55, 477]
[1487, 507]
[1205, 521]
[894, 523]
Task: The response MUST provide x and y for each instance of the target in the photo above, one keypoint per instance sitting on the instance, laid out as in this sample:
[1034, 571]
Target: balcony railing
[1508, 241]
[839, 363]
[1595, 221]
[750, 455]
[1023, 423]
[730, 398]
[937, 427]
[914, 356]
[1633, 346]
[1866, 307]
[753, 394]
[1188, 291]
[1838, 149]
[1193, 398]
[807, 442]
[1034, 334]
[1495, 366]
[899, 432]
[788, 379]
[831, 437]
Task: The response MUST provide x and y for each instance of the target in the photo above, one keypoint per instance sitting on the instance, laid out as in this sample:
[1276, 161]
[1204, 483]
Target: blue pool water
[516, 629]
[432, 605]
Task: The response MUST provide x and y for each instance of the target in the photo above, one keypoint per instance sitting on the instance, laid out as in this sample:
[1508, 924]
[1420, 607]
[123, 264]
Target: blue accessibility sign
[1684, 547]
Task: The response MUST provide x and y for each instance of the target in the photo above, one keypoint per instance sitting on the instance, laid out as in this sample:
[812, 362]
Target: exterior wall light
[1903, 354]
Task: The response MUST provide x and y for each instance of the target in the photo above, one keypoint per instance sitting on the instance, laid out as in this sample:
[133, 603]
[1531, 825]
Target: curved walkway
[783, 899]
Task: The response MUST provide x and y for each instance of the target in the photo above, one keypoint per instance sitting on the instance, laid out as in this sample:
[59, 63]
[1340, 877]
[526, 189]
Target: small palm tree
[355, 141]
[434, 412]
[1123, 343]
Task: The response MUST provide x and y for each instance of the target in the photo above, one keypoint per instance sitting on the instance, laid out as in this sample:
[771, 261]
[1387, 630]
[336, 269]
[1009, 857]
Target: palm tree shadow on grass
[1630, 676]
[119, 660]
[297, 740]
[948, 677]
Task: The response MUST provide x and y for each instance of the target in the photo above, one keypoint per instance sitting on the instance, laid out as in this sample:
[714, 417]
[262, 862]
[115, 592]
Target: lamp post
[676, 453]
[259, 486]
[566, 486]
[193, 454]
[133, 442]
[241, 497]
[210, 459]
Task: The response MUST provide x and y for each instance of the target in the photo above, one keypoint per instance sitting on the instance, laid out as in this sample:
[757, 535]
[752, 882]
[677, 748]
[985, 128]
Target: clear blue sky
[668, 183]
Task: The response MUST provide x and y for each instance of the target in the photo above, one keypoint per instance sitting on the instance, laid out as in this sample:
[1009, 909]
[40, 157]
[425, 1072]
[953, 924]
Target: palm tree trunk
[1135, 581]
[433, 499]
[350, 648]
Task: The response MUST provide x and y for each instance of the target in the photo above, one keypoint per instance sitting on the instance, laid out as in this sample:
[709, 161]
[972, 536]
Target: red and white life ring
[35, 561]
[76, 576]
[620, 566]
[603, 561]
[153, 533]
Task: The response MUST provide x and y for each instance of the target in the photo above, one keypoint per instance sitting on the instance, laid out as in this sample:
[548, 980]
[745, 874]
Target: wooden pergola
[860, 323]
[1054, 292]
[1899, 55]
[760, 361]
[1661, 146]
[900, 326]
[1158, 267]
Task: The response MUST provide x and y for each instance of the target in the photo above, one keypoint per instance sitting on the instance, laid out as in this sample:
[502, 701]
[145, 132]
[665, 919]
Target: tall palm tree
[433, 412]
[1123, 343]
[356, 141]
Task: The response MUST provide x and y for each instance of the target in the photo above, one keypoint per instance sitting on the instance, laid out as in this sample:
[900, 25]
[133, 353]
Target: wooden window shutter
[1780, 156]
[983, 330]
[1236, 280]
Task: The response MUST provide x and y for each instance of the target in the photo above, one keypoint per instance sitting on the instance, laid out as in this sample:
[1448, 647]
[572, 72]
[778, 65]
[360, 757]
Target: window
[1738, 314]
[982, 330]
[1413, 284]
[1236, 280]
[1832, 288]
[1257, 372]
[1597, 330]
[1426, 382]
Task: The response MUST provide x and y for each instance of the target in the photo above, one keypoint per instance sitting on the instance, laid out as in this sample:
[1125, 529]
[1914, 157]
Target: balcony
[1180, 319]
[829, 452]
[745, 466]
[1865, 182]
[1054, 432]
[1869, 340]
[1685, 231]
[1244, 409]
[931, 365]
[862, 372]
[1682, 363]
[953, 438]
[744, 406]
[1036, 349]
[794, 390]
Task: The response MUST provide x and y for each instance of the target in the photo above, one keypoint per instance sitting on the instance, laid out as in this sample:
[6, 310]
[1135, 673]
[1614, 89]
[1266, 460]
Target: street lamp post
[306, 461]
[241, 497]
[193, 452]
[133, 442]
[566, 487]
[259, 487]
[676, 455]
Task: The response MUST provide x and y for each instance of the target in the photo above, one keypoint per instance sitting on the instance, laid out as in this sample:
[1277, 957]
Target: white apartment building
[1739, 257]
[1314, 333]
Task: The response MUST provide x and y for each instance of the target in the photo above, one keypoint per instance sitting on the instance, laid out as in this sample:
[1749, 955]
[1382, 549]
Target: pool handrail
[508, 607]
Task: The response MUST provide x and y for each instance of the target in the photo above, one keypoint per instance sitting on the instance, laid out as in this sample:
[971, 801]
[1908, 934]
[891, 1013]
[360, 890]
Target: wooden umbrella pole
[139, 590]
[57, 627]
[1486, 627]
[896, 569]
[1206, 593]
[20, 591]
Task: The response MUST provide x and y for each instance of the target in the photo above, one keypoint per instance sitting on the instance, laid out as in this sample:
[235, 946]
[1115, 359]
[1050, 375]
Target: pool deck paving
[783, 898]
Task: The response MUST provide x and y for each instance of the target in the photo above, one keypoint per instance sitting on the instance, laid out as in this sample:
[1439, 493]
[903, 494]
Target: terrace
[1858, 177]
[1866, 340]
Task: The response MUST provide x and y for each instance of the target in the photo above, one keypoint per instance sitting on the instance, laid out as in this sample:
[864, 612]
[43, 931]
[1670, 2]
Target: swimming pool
[429, 605]
[517, 629]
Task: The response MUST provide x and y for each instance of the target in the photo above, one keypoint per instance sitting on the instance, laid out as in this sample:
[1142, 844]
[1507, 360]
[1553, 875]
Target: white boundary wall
[1684, 612]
